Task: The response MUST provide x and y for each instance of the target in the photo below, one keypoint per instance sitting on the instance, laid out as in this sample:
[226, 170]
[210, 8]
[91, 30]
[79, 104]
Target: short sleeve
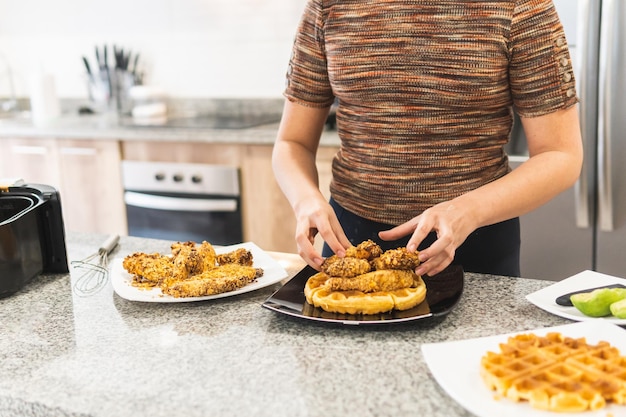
[541, 74]
[307, 76]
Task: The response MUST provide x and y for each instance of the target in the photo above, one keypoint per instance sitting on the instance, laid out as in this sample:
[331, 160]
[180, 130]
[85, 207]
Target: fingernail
[318, 261]
[411, 247]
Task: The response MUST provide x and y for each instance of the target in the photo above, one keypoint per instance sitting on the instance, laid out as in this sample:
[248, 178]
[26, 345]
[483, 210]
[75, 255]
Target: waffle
[556, 373]
[358, 302]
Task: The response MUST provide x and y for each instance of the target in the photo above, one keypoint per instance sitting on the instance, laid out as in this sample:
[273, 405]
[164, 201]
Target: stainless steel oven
[183, 202]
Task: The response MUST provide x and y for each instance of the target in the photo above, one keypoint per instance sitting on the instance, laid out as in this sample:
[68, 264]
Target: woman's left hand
[451, 226]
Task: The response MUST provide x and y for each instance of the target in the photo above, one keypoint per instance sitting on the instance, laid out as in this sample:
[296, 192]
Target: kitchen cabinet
[86, 173]
[268, 219]
[33, 160]
[186, 152]
[91, 186]
[268, 215]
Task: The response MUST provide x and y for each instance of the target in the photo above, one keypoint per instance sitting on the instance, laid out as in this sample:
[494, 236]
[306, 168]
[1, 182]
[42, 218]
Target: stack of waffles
[556, 373]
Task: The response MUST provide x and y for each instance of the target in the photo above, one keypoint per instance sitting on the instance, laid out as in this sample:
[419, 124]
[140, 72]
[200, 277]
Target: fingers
[322, 221]
[436, 257]
[417, 226]
[335, 237]
[305, 239]
[440, 254]
[398, 232]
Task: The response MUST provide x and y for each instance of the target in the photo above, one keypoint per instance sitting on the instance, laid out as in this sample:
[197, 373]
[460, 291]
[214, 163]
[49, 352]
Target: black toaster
[32, 234]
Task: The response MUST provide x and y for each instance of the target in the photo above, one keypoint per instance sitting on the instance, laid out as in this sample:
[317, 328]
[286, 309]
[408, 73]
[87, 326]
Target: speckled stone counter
[103, 127]
[66, 355]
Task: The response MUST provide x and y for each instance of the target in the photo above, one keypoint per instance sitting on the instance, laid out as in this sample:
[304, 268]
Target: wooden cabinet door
[92, 193]
[268, 217]
[185, 152]
[33, 160]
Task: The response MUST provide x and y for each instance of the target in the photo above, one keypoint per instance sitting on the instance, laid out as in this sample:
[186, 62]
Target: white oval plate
[273, 272]
[546, 297]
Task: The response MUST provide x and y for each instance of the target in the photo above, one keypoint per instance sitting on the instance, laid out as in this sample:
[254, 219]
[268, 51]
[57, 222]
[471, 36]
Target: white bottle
[44, 102]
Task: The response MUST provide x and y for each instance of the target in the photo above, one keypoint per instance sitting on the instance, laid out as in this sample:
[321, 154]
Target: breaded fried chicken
[186, 262]
[335, 266]
[215, 281]
[198, 258]
[148, 268]
[192, 270]
[399, 258]
[207, 256]
[364, 250]
[239, 256]
[373, 281]
[177, 246]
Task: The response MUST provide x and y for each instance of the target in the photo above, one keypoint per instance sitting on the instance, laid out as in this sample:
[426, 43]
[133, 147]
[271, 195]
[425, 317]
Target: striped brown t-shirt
[426, 90]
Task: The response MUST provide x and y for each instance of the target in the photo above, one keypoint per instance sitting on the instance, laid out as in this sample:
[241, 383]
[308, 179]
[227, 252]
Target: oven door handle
[158, 202]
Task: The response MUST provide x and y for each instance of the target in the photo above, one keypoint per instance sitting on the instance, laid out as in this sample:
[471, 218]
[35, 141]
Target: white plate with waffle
[546, 297]
[456, 366]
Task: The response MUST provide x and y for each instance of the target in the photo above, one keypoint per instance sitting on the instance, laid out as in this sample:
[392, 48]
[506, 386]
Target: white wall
[191, 48]
[568, 13]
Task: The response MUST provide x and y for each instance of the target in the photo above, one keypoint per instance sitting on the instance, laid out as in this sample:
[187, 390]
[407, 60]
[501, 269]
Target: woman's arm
[556, 153]
[293, 161]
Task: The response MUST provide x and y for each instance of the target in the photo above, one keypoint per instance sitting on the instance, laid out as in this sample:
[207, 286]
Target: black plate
[443, 291]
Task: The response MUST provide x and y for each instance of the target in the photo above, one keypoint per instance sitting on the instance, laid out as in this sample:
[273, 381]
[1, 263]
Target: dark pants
[491, 249]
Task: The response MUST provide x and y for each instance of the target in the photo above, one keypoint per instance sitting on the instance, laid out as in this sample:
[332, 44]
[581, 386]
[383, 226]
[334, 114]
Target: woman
[426, 90]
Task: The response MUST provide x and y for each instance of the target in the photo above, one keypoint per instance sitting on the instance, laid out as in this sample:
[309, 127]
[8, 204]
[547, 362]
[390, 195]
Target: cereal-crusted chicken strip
[346, 267]
[374, 281]
[199, 258]
[240, 256]
[208, 258]
[186, 261]
[148, 269]
[215, 281]
[364, 250]
[177, 247]
[399, 258]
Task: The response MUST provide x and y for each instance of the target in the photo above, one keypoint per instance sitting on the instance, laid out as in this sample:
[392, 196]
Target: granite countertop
[67, 355]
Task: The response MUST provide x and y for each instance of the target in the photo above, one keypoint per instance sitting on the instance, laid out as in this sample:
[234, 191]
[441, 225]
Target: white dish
[459, 374]
[545, 298]
[272, 273]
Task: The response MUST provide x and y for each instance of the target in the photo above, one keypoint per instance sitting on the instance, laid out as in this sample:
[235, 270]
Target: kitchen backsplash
[190, 48]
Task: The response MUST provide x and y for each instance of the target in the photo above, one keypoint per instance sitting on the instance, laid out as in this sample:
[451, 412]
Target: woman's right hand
[315, 216]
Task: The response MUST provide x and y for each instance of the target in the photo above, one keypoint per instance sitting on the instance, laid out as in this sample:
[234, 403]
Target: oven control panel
[205, 179]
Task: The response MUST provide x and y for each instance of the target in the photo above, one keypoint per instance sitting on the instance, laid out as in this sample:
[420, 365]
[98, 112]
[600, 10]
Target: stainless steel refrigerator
[585, 227]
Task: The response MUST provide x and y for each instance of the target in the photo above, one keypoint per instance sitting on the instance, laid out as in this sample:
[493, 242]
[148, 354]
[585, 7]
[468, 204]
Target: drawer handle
[29, 150]
[157, 202]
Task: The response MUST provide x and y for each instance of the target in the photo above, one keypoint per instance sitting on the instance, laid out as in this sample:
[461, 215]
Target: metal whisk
[96, 268]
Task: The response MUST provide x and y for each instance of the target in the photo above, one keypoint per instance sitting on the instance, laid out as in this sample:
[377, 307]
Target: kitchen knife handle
[606, 76]
[586, 66]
